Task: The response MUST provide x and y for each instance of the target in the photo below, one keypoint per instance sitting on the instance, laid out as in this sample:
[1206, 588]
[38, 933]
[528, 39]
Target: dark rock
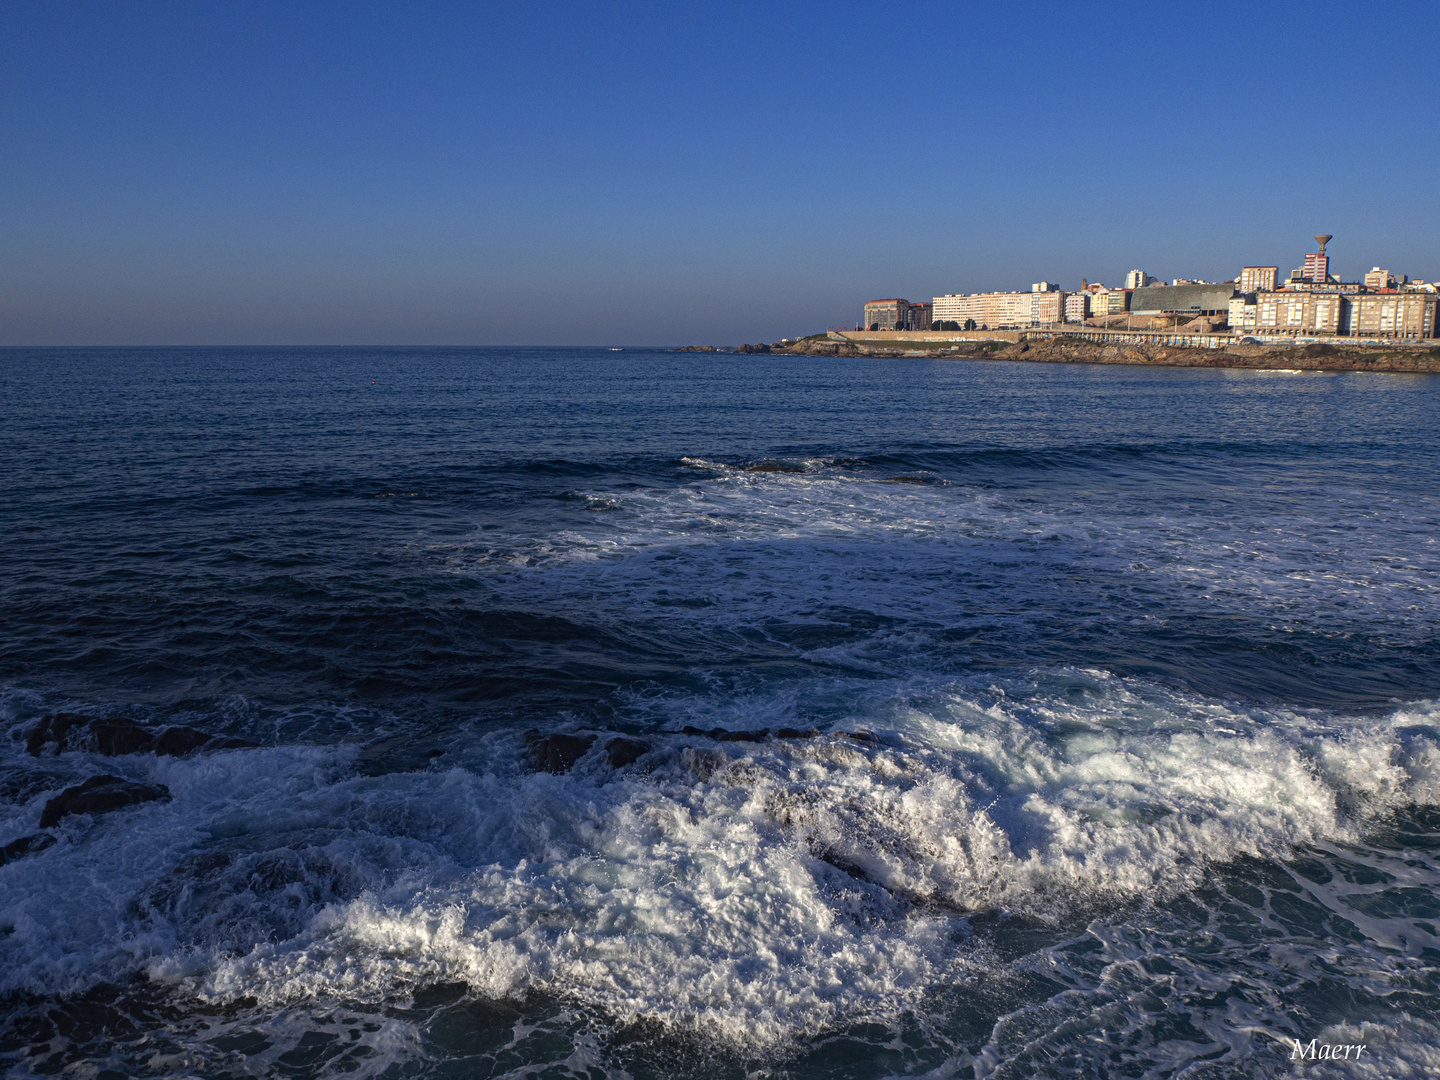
[557, 753]
[113, 736]
[623, 751]
[795, 733]
[432, 754]
[98, 795]
[862, 736]
[26, 845]
[759, 735]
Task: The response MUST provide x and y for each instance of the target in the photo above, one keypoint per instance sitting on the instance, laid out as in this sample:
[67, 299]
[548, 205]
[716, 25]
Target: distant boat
[614, 349]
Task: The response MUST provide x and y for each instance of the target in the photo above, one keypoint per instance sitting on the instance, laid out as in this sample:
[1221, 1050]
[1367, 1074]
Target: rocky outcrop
[752, 349]
[557, 753]
[114, 737]
[26, 845]
[100, 795]
[1073, 350]
[696, 348]
[622, 751]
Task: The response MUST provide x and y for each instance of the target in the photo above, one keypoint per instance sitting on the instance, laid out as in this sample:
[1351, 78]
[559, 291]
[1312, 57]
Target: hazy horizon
[637, 176]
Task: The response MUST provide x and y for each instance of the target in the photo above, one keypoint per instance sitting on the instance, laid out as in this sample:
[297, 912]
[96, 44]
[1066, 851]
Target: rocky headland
[1413, 357]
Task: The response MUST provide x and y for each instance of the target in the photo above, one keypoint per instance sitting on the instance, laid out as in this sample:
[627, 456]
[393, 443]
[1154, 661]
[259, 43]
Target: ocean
[978, 719]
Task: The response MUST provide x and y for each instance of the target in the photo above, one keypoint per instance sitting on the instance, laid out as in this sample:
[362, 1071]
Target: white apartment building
[999, 310]
[1259, 278]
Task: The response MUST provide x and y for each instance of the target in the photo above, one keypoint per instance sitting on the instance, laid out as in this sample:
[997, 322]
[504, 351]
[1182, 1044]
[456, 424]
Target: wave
[751, 890]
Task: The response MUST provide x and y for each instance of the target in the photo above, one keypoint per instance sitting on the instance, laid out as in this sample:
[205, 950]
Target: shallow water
[1147, 660]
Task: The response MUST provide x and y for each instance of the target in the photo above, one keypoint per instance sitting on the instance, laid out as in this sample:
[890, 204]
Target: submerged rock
[99, 795]
[623, 751]
[114, 737]
[26, 845]
[557, 753]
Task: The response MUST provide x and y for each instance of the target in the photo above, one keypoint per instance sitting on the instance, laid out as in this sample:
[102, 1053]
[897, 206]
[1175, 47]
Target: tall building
[1077, 307]
[893, 314]
[921, 315]
[1379, 279]
[1259, 278]
[1317, 264]
[1137, 279]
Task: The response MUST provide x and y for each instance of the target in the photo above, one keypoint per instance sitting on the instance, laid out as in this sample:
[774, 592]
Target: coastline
[1414, 358]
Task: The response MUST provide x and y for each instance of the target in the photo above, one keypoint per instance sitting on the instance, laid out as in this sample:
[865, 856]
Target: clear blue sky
[493, 173]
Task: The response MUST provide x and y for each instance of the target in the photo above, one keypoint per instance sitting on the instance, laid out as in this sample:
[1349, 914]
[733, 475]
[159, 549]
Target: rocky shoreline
[1413, 358]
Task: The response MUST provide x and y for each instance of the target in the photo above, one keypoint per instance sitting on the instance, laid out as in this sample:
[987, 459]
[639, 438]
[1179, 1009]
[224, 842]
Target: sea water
[1124, 680]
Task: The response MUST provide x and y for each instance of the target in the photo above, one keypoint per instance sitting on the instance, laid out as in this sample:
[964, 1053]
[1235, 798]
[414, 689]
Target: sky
[410, 173]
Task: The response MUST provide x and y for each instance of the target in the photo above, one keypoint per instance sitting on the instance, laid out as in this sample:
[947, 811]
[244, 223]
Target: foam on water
[751, 890]
[747, 545]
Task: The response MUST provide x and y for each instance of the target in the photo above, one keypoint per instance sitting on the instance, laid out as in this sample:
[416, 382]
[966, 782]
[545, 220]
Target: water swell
[756, 890]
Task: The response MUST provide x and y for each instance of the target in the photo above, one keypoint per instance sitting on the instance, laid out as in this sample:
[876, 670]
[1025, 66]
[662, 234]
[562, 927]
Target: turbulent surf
[521, 712]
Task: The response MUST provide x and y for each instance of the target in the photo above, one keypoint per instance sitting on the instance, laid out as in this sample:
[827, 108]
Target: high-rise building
[1137, 279]
[1259, 278]
[921, 315]
[1379, 279]
[1317, 264]
[1077, 307]
[893, 314]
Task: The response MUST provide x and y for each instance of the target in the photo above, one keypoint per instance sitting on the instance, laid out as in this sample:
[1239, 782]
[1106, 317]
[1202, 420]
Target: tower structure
[1317, 264]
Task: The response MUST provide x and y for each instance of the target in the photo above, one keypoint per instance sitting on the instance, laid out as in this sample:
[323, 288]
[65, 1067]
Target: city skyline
[630, 174]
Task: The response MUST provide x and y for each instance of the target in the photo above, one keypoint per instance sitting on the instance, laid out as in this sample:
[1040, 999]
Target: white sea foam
[748, 889]
[742, 546]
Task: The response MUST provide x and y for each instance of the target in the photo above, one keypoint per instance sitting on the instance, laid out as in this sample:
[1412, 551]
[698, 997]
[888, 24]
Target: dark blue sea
[984, 719]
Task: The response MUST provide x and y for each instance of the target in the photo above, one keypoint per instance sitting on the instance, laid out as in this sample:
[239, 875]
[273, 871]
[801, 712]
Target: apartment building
[1294, 312]
[893, 314]
[1378, 279]
[1243, 313]
[1316, 268]
[1001, 310]
[1255, 279]
[1077, 307]
[1392, 314]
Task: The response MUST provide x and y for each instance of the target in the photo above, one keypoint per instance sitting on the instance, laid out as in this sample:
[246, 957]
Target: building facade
[1299, 313]
[1194, 300]
[893, 314]
[1255, 279]
[1001, 310]
[1138, 279]
[1392, 314]
[1378, 279]
[1077, 307]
